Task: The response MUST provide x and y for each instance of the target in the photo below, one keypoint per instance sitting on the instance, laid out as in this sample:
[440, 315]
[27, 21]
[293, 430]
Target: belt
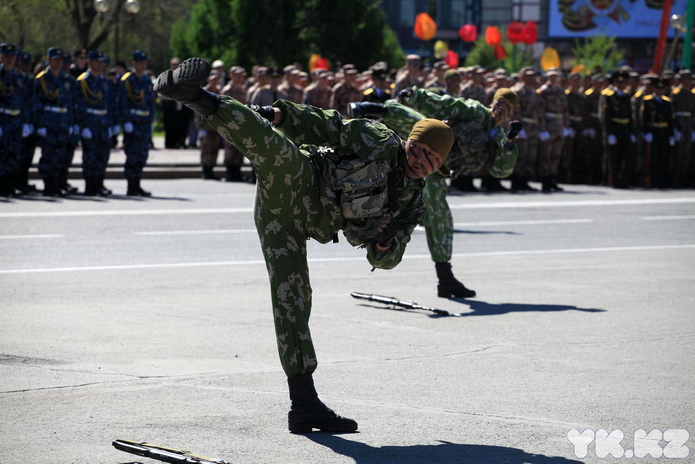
[140, 112]
[620, 120]
[530, 120]
[553, 115]
[576, 118]
[56, 109]
[660, 125]
[10, 112]
[97, 112]
[686, 114]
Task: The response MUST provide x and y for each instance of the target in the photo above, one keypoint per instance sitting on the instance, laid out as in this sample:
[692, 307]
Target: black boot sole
[185, 81]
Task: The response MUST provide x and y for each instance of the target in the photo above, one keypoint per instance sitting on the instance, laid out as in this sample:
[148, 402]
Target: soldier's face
[501, 109]
[9, 60]
[420, 160]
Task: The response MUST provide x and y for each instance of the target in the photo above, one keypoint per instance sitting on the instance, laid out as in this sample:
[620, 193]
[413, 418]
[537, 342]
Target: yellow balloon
[440, 49]
[550, 59]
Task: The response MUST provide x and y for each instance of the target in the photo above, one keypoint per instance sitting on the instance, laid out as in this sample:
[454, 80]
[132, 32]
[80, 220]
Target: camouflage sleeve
[437, 106]
[365, 138]
[401, 118]
[391, 257]
[504, 158]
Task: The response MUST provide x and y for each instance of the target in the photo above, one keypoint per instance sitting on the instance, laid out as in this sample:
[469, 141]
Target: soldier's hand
[648, 137]
[115, 130]
[611, 139]
[387, 230]
[26, 130]
[86, 133]
[404, 95]
[128, 127]
[41, 131]
[515, 130]
[266, 112]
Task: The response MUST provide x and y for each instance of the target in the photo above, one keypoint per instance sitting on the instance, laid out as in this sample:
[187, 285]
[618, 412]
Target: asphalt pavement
[149, 319]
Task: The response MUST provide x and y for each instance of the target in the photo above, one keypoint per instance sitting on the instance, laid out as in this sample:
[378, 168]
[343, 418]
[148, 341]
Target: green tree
[596, 52]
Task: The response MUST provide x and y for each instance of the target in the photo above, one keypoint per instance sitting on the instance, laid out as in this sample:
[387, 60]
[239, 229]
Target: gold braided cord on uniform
[91, 97]
[139, 98]
[51, 95]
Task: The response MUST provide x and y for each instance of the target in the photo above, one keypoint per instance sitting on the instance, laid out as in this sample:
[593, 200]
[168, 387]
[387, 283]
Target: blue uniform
[54, 113]
[136, 106]
[14, 114]
[97, 115]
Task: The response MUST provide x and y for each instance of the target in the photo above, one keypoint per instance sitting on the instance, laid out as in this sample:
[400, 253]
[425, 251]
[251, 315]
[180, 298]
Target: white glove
[545, 135]
[571, 132]
[672, 141]
[678, 135]
[26, 130]
[41, 131]
[75, 129]
[0, 131]
[633, 139]
[86, 133]
[592, 132]
[522, 134]
[128, 127]
[202, 133]
[115, 130]
[612, 140]
[566, 132]
[648, 137]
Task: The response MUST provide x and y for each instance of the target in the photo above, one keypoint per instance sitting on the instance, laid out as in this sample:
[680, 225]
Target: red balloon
[468, 33]
[452, 59]
[425, 27]
[493, 36]
[529, 34]
[515, 32]
[500, 52]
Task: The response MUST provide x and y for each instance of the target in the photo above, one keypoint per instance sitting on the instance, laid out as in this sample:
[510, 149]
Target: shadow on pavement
[482, 308]
[446, 452]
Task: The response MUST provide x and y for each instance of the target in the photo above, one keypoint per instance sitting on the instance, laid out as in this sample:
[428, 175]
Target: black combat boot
[132, 187]
[234, 174]
[308, 412]
[208, 173]
[101, 190]
[464, 183]
[184, 85]
[449, 286]
[368, 110]
[90, 188]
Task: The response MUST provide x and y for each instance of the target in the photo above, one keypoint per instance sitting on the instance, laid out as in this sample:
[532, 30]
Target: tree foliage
[279, 32]
[595, 53]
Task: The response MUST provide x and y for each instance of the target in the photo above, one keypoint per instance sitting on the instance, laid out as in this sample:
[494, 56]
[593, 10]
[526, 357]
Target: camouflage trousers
[439, 224]
[288, 203]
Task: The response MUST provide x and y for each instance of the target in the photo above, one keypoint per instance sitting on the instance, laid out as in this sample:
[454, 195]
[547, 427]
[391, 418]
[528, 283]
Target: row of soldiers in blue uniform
[58, 111]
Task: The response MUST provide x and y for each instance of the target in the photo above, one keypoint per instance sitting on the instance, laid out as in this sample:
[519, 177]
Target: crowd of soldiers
[619, 129]
[68, 100]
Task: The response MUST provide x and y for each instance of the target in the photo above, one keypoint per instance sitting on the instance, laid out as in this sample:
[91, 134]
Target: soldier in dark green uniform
[616, 113]
[317, 173]
[657, 125]
[683, 101]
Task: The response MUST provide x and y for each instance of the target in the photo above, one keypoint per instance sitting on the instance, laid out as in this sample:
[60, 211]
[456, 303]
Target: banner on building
[625, 19]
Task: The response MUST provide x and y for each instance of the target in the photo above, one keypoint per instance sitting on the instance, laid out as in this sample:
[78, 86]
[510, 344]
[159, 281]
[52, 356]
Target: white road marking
[667, 218]
[197, 232]
[348, 259]
[12, 237]
[521, 223]
[520, 204]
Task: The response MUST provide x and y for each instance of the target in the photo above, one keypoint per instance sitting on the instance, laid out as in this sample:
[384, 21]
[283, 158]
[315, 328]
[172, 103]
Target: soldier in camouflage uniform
[683, 102]
[530, 112]
[480, 146]
[556, 120]
[317, 174]
[347, 91]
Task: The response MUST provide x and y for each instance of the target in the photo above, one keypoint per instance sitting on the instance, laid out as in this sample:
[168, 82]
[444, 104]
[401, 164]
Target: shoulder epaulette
[639, 93]
[608, 92]
[369, 91]
[82, 76]
[676, 91]
[648, 97]
[568, 91]
[666, 98]
[40, 75]
[125, 76]
[588, 92]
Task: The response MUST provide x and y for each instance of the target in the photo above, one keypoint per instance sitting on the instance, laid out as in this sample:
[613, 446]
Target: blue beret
[139, 55]
[25, 57]
[105, 58]
[94, 55]
[55, 52]
[9, 49]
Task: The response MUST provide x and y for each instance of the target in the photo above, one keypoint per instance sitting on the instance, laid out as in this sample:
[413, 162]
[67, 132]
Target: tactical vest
[471, 151]
[366, 190]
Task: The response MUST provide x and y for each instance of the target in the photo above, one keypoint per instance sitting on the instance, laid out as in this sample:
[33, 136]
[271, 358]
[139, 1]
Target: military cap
[274, 71]
[619, 76]
[500, 72]
[633, 75]
[507, 94]
[103, 57]
[139, 55]
[379, 74]
[451, 73]
[648, 77]
[67, 57]
[658, 82]
[218, 64]
[667, 74]
[94, 55]
[55, 52]
[435, 134]
[685, 73]
[214, 74]
[9, 49]
[441, 65]
[598, 77]
[237, 70]
[81, 53]
[528, 71]
[552, 72]
[574, 76]
[25, 57]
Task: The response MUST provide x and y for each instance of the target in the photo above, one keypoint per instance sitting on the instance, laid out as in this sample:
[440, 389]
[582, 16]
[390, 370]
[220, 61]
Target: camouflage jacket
[476, 146]
[361, 163]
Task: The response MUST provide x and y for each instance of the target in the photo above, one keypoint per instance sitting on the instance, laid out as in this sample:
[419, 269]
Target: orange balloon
[425, 27]
[550, 59]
